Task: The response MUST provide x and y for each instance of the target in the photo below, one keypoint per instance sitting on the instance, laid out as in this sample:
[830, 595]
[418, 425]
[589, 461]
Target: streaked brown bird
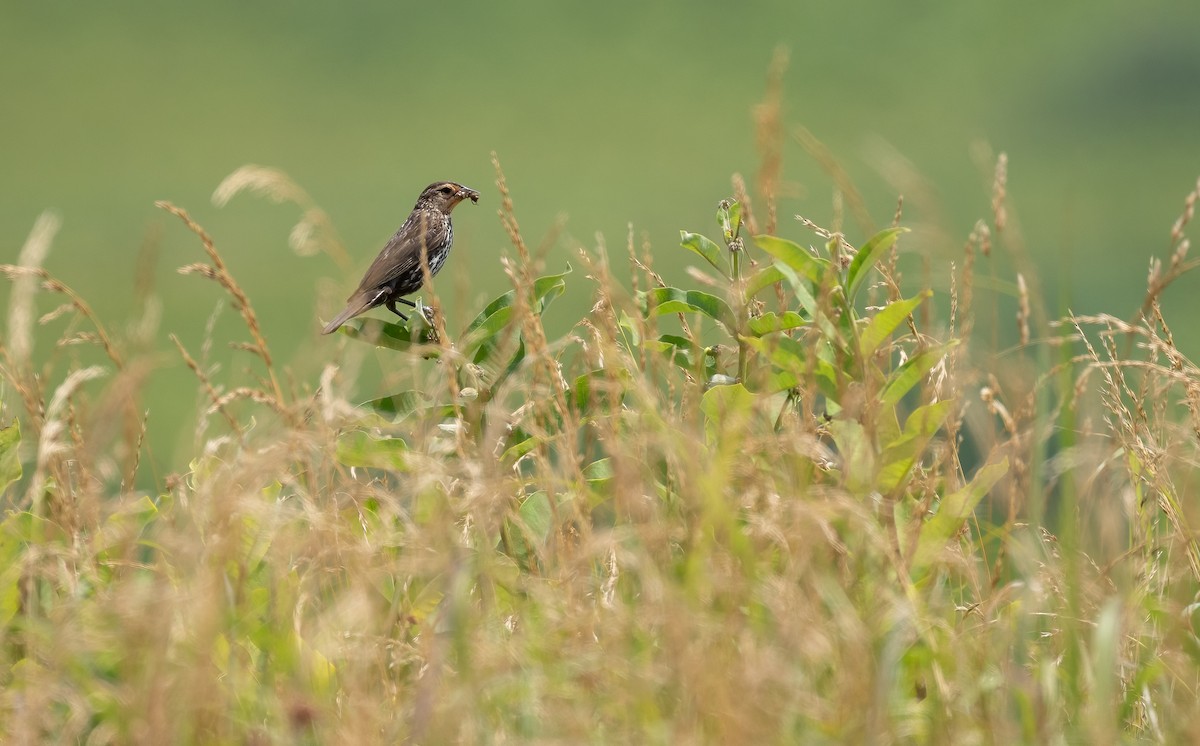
[396, 272]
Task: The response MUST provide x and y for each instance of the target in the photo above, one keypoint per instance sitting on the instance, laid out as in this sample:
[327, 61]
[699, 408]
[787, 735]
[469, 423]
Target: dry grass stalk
[841, 180]
[50, 442]
[1022, 310]
[314, 232]
[213, 395]
[100, 336]
[1000, 194]
[768, 118]
[219, 273]
[20, 303]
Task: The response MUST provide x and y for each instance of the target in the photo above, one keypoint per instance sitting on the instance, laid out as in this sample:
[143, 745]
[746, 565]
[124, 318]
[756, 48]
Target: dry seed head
[268, 182]
[743, 197]
[999, 193]
[302, 236]
[20, 303]
[1189, 210]
[1023, 309]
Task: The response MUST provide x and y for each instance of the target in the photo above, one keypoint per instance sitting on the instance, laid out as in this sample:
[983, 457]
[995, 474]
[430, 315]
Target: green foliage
[753, 511]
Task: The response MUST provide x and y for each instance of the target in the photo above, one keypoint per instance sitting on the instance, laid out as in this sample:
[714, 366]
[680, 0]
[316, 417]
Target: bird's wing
[401, 255]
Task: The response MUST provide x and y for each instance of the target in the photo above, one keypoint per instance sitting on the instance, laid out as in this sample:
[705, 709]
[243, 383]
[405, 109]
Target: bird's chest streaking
[438, 258]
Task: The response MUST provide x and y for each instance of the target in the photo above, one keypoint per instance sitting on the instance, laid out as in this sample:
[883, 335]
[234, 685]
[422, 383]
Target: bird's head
[444, 195]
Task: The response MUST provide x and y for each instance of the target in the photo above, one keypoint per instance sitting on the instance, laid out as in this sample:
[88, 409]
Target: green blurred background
[609, 113]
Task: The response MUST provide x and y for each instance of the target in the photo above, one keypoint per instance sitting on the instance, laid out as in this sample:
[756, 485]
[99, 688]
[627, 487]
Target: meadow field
[852, 403]
[789, 502]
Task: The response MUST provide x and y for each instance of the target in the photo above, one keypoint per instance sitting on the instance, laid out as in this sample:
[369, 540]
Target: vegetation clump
[796, 502]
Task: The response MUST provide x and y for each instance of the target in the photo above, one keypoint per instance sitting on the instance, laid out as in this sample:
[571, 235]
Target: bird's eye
[447, 190]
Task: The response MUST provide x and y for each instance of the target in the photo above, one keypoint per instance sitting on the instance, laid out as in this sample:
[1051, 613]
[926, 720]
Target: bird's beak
[467, 193]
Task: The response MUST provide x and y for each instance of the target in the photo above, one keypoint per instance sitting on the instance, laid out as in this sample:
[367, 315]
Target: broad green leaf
[361, 449]
[536, 514]
[10, 461]
[803, 295]
[763, 278]
[482, 337]
[486, 329]
[795, 256]
[673, 300]
[867, 257]
[14, 536]
[519, 449]
[908, 375]
[883, 323]
[549, 287]
[705, 248]
[585, 390]
[629, 332]
[398, 406]
[773, 322]
[513, 363]
[393, 336]
[901, 454]
[257, 536]
[545, 290]
[791, 357]
[679, 349]
[599, 471]
[856, 452]
[721, 403]
[952, 512]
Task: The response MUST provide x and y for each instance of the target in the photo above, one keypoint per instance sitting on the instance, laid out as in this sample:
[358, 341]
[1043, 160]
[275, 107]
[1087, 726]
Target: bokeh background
[607, 113]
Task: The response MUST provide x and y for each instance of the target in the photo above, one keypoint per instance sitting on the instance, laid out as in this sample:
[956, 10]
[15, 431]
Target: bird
[396, 272]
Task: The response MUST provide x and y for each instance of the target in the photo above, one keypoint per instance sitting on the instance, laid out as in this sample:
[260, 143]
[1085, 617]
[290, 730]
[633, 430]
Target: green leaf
[486, 335]
[357, 448]
[398, 406]
[704, 247]
[883, 323]
[901, 454]
[519, 449]
[10, 461]
[549, 287]
[763, 278]
[680, 350]
[545, 290]
[791, 357]
[590, 398]
[729, 218]
[673, 300]
[908, 375]
[600, 470]
[393, 336]
[721, 403]
[795, 256]
[867, 257]
[952, 512]
[856, 452]
[800, 289]
[772, 322]
[537, 516]
[496, 315]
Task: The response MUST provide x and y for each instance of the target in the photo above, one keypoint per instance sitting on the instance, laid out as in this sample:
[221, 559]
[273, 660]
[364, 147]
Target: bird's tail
[356, 306]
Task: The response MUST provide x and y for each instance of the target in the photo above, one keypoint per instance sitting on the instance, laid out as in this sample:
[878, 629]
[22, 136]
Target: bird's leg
[391, 306]
[407, 302]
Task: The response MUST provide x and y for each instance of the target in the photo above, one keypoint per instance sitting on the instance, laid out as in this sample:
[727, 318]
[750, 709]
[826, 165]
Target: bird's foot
[391, 306]
[429, 313]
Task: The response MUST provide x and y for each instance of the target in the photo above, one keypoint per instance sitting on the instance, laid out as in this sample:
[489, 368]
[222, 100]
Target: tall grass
[791, 504]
